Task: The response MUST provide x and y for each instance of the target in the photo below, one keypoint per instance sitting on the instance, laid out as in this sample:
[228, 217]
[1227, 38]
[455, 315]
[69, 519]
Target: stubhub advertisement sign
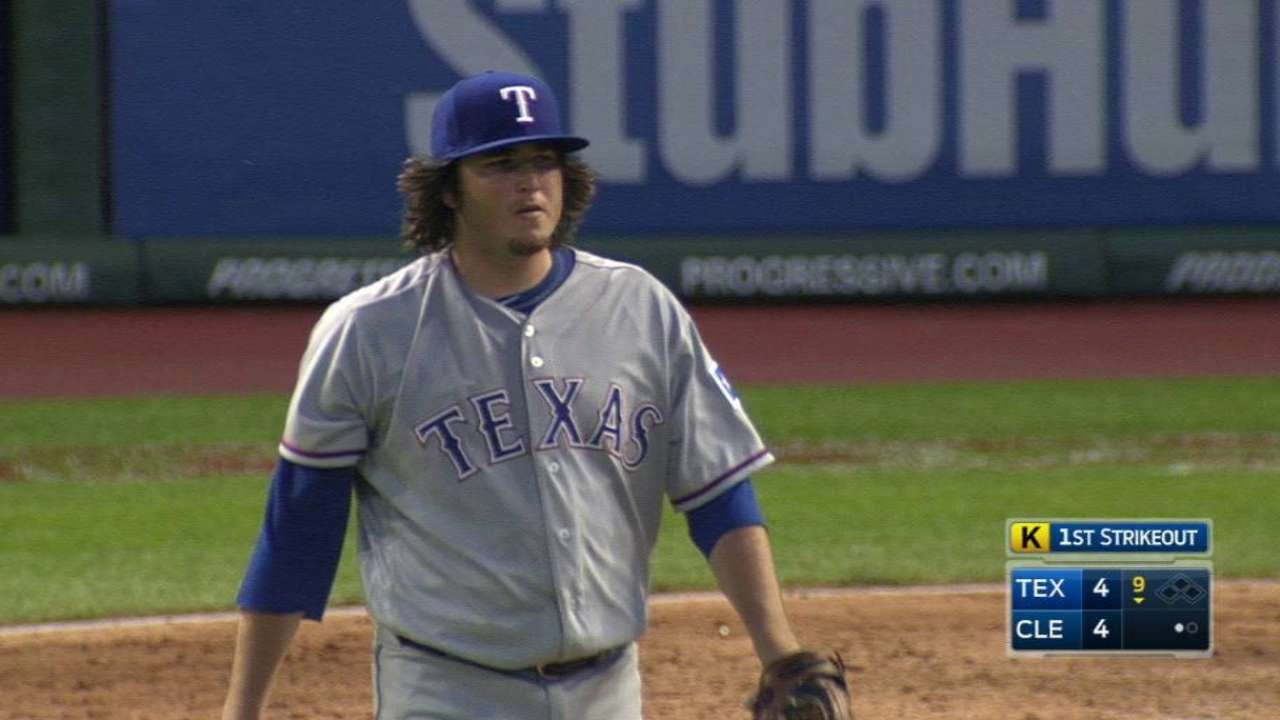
[711, 116]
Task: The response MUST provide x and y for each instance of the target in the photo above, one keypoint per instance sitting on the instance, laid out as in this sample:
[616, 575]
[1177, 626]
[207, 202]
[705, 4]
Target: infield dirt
[932, 654]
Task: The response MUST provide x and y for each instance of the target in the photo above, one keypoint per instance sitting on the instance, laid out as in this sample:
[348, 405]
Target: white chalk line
[663, 598]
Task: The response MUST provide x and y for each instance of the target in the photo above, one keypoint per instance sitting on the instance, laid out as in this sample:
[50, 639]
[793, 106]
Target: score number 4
[1101, 589]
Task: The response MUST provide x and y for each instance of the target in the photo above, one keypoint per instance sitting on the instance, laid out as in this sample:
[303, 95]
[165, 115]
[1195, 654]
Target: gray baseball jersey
[514, 468]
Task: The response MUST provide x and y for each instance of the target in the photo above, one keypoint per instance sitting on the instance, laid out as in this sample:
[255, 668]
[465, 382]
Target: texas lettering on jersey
[612, 429]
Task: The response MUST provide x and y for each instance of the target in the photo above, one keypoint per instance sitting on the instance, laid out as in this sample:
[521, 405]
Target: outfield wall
[748, 150]
[711, 117]
[6, 120]
[907, 266]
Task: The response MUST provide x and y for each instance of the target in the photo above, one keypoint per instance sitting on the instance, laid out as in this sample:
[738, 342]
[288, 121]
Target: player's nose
[525, 178]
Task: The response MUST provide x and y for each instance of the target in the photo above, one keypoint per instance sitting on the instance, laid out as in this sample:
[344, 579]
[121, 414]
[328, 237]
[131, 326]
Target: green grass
[1063, 410]
[120, 422]
[150, 505]
[81, 548]
[831, 525]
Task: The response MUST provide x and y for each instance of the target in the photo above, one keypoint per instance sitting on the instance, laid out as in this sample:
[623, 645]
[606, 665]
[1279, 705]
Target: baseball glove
[803, 686]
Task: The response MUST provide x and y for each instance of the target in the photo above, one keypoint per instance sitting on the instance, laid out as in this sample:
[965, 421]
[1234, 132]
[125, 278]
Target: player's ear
[450, 187]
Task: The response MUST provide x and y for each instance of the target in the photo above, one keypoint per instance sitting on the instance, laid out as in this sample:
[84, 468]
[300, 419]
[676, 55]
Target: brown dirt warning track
[78, 352]
[922, 653]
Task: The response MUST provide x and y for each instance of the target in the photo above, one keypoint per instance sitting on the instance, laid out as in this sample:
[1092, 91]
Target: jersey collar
[562, 262]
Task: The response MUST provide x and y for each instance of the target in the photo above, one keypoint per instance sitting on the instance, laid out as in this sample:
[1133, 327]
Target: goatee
[525, 248]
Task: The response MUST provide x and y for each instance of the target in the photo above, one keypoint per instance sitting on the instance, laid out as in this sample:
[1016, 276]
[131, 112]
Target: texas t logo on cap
[523, 94]
[495, 109]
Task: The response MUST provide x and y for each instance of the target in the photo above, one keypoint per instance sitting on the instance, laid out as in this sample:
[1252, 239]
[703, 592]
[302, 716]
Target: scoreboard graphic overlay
[1109, 587]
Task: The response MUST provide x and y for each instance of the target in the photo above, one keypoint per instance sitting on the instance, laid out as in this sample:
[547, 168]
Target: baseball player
[511, 414]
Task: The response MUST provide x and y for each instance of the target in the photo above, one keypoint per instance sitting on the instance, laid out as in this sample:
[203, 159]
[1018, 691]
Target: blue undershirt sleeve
[735, 508]
[296, 558]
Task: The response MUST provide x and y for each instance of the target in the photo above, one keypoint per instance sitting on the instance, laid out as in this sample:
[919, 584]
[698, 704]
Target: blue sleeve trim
[736, 507]
[296, 558]
[760, 456]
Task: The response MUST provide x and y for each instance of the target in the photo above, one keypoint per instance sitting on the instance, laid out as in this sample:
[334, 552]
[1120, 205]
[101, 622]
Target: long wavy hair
[428, 223]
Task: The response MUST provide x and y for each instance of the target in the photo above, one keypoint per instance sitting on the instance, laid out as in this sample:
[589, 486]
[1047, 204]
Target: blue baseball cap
[493, 110]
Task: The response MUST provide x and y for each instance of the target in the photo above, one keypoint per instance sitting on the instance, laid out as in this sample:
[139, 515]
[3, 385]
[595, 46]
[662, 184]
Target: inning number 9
[1139, 584]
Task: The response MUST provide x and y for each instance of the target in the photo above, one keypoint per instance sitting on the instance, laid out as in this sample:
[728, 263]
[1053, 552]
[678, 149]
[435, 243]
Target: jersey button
[553, 466]
[565, 534]
[528, 331]
[536, 361]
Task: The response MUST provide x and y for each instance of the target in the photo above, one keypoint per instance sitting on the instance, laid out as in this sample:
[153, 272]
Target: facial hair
[525, 247]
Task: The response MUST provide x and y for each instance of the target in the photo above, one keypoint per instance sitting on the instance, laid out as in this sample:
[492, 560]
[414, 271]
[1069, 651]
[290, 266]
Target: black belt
[546, 671]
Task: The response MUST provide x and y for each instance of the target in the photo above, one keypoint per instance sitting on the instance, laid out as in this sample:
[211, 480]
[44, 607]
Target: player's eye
[509, 164]
[500, 165]
[545, 162]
